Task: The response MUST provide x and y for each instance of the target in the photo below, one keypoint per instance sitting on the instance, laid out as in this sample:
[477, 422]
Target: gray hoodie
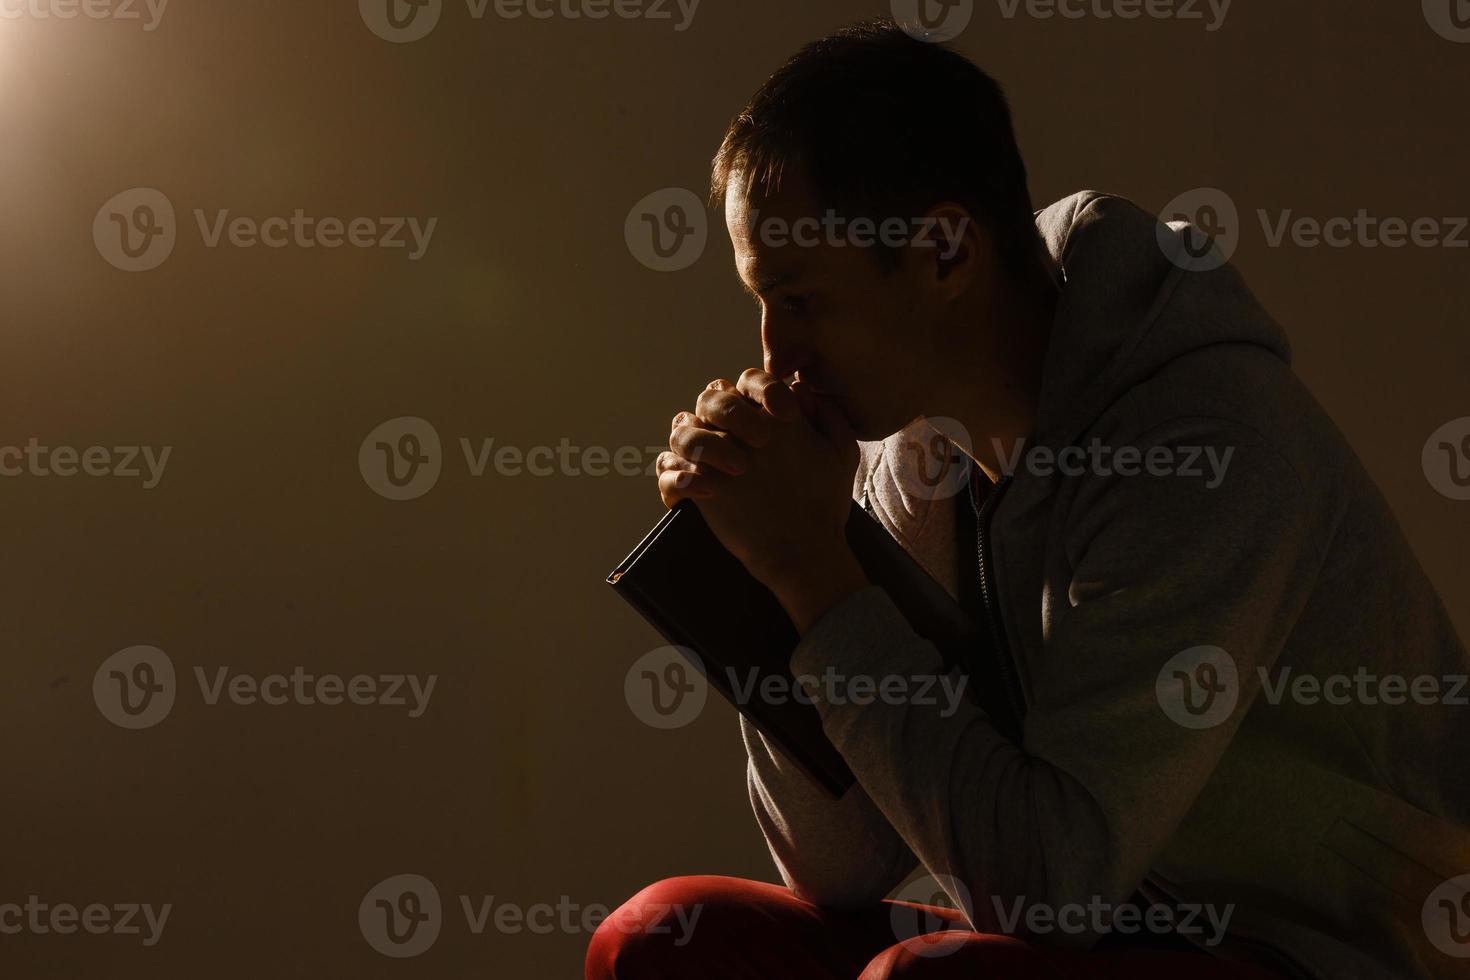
[1226, 676]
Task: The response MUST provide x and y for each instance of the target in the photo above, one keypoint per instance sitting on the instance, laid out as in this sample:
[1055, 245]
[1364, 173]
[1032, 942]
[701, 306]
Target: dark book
[699, 597]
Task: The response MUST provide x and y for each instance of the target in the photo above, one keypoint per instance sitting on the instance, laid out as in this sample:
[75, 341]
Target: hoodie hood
[1132, 301]
[1125, 311]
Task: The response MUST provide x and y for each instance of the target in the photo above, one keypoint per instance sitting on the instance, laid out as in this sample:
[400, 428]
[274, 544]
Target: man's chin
[865, 428]
[854, 420]
[877, 431]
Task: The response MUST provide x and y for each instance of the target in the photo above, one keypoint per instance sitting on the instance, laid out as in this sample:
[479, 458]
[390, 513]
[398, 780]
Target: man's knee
[651, 935]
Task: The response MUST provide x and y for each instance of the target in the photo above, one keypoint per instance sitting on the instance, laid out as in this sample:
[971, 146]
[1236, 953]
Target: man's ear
[952, 248]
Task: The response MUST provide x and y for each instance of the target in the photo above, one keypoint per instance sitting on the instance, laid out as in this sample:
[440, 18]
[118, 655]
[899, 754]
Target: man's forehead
[745, 202]
[761, 264]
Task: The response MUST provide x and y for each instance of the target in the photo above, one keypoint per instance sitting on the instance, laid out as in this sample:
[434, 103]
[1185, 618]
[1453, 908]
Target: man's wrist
[808, 588]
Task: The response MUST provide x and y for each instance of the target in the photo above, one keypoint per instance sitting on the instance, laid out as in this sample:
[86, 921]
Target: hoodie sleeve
[833, 853]
[1155, 567]
[837, 854]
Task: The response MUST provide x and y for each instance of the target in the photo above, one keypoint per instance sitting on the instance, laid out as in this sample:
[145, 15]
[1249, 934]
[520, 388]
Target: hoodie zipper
[989, 604]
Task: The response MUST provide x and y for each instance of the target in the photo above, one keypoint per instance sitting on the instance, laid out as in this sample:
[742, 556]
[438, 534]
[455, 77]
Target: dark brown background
[529, 321]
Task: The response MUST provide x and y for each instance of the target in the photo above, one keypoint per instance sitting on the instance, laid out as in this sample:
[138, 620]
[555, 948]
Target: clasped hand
[771, 469]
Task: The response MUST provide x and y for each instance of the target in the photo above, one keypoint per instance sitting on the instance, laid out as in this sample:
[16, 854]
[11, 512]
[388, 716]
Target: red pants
[714, 928]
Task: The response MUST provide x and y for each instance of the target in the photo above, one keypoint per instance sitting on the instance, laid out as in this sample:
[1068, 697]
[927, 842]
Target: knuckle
[716, 406]
[691, 443]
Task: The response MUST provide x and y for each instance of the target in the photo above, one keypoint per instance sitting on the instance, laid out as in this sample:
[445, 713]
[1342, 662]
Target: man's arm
[1160, 565]
[833, 853]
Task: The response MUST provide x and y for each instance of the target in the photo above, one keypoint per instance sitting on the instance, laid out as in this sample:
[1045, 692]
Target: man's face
[855, 332]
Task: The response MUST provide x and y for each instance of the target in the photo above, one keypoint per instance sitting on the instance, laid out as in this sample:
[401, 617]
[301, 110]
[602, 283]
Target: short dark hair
[885, 125]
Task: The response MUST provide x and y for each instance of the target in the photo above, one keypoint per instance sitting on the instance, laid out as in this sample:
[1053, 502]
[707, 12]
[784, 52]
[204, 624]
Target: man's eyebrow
[764, 284]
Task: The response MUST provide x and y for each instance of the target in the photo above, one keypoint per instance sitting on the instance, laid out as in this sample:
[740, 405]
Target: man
[1213, 634]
